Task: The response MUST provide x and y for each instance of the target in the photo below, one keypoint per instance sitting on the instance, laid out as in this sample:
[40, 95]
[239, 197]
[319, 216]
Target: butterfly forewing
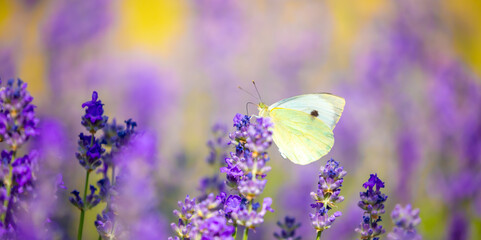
[326, 107]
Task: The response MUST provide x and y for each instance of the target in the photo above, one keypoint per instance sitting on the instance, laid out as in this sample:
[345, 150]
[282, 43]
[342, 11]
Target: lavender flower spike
[94, 119]
[17, 124]
[17, 115]
[89, 155]
[327, 196]
[405, 220]
[246, 170]
[204, 220]
[372, 202]
[288, 229]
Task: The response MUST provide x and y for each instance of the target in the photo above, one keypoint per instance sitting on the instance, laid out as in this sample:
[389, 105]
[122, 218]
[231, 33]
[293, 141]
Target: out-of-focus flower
[105, 225]
[405, 220]
[218, 146]
[458, 227]
[288, 229]
[127, 216]
[17, 115]
[17, 124]
[115, 137]
[73, 23]
[372, 202]
[209, 185]
[43, 219]
[7, 63]
[218, 152]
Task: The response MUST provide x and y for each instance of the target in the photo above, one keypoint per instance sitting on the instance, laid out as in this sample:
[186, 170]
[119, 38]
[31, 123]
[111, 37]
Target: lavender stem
[82, 211]
[8, 184]
[235, 231]
[246, 232]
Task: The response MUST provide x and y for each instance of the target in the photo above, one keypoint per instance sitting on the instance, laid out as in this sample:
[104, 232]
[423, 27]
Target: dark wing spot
[314, 113]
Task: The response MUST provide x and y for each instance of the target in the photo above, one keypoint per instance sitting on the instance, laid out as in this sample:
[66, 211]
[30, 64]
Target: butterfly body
[303, 125]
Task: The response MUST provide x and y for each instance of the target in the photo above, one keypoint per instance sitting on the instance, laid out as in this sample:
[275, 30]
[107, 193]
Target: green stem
[8, 184]
[235, 231]
[82, 211]
[318, 235]
[246, 232]
[100, 238]
[113, 175]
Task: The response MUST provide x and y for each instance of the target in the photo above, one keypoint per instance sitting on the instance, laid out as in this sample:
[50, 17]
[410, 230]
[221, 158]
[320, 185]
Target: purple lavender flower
[213, 184]
[187, 210]
[232, 204]
[216, 228]
[259, 138]
[251, 188]
[327, 196]
[251, 219]
[17, 115]
[322, 221]
[405, 220]
[23, 174]
[17, 124]
[458, 227]
[372, 202]
[134, 217]
[76, 200]
[218, 153]
[246, 170]
[89, 155]
[251, 140]
[94, 119]
[105, 225]
[288, 229]
[89, 152]
[204, 219]
[218, 146]
[92, 199]
[115, 137]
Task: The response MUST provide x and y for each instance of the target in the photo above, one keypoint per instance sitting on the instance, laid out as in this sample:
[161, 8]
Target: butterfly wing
[327, 107]
[301, 138]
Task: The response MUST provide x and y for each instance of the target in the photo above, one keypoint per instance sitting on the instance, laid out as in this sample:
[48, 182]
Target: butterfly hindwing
[301, 138]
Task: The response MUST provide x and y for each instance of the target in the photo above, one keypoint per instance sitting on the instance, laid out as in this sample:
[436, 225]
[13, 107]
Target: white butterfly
[303, 125]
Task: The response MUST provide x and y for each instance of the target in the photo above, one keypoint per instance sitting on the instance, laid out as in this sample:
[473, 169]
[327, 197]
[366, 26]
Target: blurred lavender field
[408, 70]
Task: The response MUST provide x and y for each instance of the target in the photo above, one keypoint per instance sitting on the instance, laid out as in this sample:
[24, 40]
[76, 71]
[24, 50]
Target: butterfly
[304, 124]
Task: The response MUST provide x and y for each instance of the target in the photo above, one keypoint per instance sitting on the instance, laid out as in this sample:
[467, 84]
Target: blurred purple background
[409, 71]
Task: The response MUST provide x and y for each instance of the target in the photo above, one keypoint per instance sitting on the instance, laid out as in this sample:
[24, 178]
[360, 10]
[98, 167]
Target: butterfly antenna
[253, 82]
[250, 94]
[247, 107]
